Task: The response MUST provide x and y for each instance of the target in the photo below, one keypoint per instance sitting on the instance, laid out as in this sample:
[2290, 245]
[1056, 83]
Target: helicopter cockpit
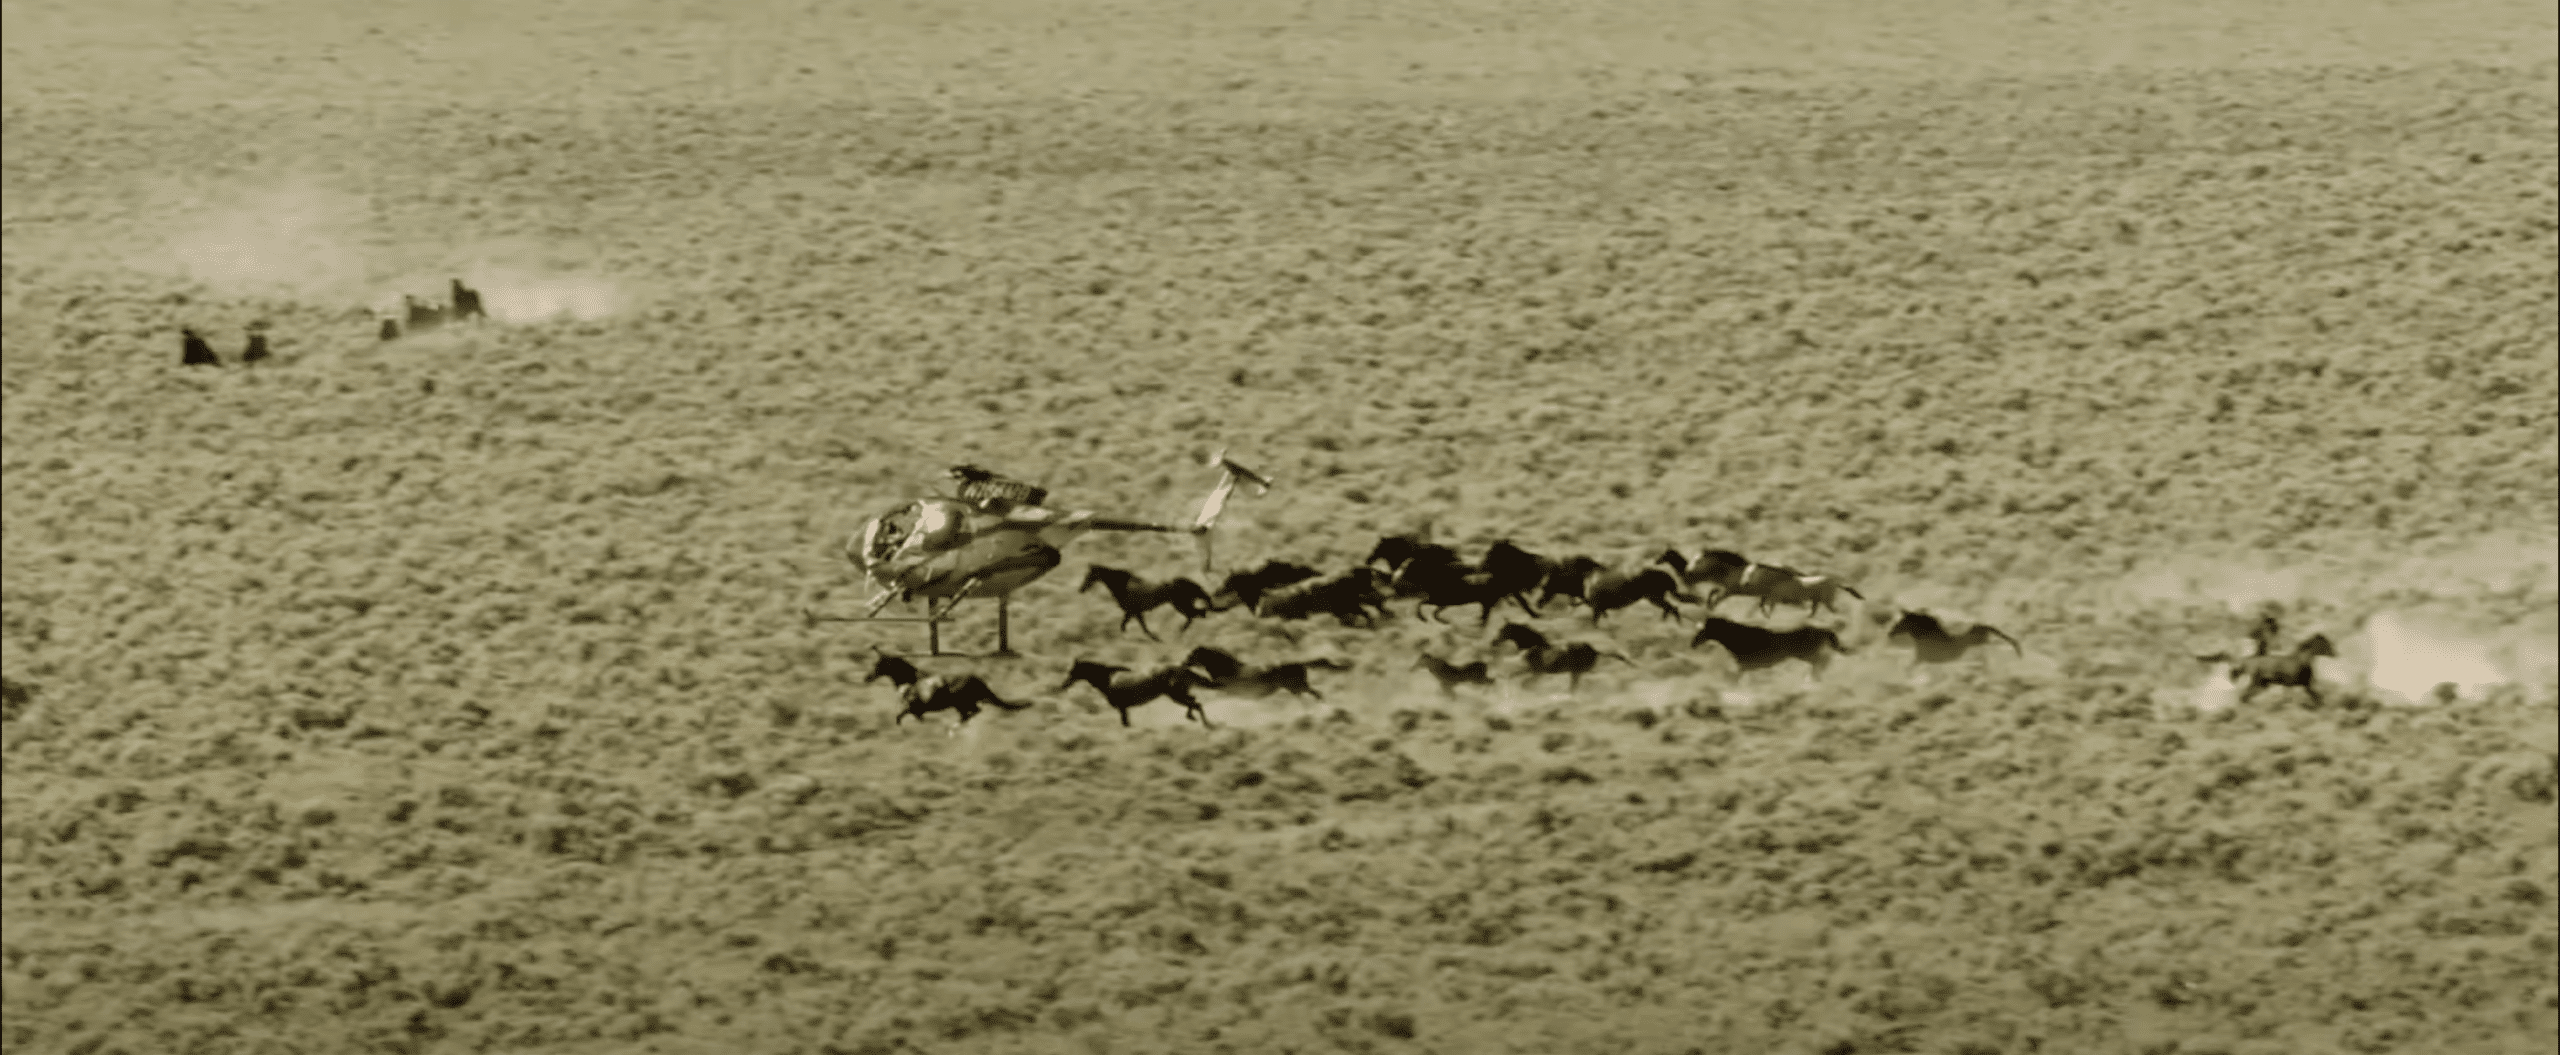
[935, 524]
[992, 537]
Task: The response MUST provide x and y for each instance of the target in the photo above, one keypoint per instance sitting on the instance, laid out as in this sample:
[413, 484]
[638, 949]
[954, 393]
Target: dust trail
[296, 239]
[520, 298]
[2406, 658]
[2477, 616]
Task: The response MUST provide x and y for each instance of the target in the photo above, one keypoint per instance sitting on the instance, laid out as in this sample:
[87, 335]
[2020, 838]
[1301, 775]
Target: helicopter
[993, 536]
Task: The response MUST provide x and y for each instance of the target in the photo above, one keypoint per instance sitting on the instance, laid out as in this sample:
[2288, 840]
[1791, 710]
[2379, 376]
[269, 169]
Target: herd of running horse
[1437, 579]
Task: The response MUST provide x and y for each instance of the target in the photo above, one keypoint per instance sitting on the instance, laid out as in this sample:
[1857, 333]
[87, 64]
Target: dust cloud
[299, 239]
[2465, 621]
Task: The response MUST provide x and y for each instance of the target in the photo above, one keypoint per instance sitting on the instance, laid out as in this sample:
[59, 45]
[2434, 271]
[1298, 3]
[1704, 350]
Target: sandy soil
[453, 694]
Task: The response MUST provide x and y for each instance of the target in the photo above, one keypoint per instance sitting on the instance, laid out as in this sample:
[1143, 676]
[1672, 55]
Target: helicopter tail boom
[1228, 473]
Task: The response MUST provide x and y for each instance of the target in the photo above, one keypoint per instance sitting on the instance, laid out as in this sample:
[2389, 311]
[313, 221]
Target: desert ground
[454, 693]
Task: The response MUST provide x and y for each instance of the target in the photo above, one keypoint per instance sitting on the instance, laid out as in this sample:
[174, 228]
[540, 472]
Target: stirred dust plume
[302, 240]
[2474, 618]
[521, 298]
[298, 239]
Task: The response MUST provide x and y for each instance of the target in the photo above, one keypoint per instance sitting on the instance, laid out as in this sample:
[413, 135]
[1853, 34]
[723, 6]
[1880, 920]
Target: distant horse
[1248, 588]
[192, 351]
[926, 694]
[1137, 597]
[1228, 674]
[1573, 661]
[1759, 648]
[466, 303]
[2291, 670]
[1451, 675]
[422, 316]
[1931, 643]
[1172, 683]
[256, 352]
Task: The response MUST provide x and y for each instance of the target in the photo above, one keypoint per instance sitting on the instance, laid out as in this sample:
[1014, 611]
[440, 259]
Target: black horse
[1137, 597]
[1172, 683]
[1349, 597]
[192, 351]
[1543, 657]
[1441, 587]
[1607, 591]
[1759, 648]
[1451, 675]
[1248, 588]
[1931, 643]
[1397, 551]
[466, 303]
[1225, 673]
[927, 693]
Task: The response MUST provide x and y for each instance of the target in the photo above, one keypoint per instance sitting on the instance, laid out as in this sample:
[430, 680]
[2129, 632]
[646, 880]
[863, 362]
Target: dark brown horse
[1451, 675]
[1720, 569]
[1172, 683]
[466, 303]
[1607, 591]
[1759, 648]
[1931, 643]
[927, 693]
[1348, 597]
[2290, 670]
[1248, 588]
[1137, 597]
[1543, 658]
[1226, 673]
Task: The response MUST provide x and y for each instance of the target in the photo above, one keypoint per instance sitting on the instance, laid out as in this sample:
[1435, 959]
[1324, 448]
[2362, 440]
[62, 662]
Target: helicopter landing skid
[933, 619]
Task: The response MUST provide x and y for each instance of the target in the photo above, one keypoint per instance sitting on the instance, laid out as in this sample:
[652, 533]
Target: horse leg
[1141, 617]
[1668, 608]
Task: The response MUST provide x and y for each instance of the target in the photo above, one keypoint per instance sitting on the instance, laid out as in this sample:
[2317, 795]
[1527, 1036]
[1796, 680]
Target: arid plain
[453, 694]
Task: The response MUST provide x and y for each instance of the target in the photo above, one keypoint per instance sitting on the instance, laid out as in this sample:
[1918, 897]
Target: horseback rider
[2265, 633]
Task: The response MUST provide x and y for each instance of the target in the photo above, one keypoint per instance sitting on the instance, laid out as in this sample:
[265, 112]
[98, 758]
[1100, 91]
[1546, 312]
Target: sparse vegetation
[451, 693]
